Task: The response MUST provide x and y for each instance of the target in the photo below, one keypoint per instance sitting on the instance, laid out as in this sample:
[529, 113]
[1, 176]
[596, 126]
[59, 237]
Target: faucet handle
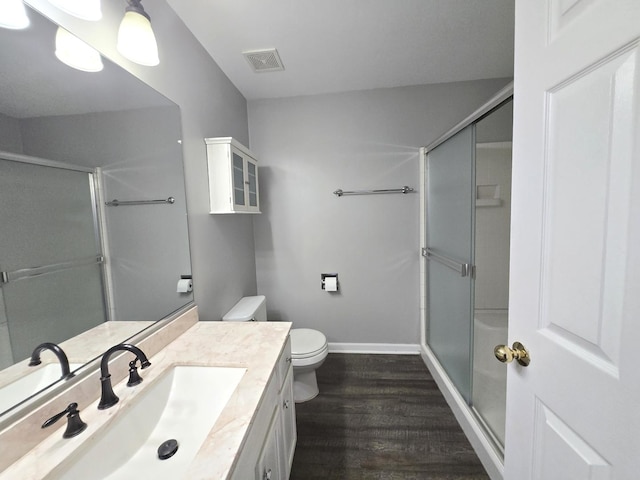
[75, 425]
[134, 376]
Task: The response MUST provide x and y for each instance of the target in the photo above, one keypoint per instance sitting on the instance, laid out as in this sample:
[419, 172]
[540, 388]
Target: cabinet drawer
[284, 364]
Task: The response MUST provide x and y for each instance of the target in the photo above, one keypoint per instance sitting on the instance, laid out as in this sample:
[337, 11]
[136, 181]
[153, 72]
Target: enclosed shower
[466, 209]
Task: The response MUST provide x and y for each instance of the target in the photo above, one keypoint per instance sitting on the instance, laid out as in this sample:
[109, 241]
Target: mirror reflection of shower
[491, 295]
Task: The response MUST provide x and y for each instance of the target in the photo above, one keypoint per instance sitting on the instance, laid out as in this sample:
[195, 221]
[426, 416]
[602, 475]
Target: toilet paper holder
[185, 284]
[324, 277]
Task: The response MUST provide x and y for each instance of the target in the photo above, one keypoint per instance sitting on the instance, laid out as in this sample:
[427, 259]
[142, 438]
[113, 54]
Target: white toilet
[308, 347]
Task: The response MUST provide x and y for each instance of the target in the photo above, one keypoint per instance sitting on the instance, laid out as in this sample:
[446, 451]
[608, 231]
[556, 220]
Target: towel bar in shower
[464, 269]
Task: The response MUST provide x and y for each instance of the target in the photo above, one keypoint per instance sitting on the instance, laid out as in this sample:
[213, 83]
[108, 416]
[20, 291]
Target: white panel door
[574, 412]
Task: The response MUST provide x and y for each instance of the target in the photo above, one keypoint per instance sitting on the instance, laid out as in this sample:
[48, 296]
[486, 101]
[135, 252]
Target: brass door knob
[517, 353]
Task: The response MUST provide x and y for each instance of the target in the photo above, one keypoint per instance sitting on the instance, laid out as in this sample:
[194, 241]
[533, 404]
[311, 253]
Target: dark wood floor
[380, 417]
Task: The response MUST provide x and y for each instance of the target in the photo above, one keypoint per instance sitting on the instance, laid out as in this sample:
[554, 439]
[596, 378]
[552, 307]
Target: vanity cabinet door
[289, 434]
[268, 465]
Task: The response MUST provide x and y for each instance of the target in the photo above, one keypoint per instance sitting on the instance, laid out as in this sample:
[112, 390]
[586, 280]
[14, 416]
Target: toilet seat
[307, 343]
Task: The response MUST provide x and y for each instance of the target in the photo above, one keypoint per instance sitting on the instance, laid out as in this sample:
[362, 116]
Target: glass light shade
[76, 53]
[13, 14]
[136, 40]
[84, 9]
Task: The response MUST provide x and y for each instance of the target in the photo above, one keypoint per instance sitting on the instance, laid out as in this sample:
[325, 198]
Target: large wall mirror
[72, 263]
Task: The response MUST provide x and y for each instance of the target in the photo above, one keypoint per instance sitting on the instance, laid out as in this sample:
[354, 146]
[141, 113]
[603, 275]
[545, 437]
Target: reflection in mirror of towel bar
[116, 203]
[404, 189]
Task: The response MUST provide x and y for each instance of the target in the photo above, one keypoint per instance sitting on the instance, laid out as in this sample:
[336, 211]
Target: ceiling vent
[264, 60]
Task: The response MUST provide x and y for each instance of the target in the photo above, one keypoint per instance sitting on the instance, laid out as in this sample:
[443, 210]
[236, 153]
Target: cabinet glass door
[238, 179]
[252, 171]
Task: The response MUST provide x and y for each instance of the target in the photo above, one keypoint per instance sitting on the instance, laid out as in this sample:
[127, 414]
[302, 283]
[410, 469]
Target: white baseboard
[380, 348]
[467, 420]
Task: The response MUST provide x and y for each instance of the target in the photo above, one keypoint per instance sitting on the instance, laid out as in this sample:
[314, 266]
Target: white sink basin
[35, 380]
[182, 405]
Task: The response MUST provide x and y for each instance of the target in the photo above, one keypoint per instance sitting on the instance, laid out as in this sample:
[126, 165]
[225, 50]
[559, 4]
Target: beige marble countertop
[255, 346]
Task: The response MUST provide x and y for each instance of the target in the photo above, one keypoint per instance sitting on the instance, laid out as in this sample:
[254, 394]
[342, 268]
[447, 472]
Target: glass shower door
[450, 230]
[491, 260]
[50, 260]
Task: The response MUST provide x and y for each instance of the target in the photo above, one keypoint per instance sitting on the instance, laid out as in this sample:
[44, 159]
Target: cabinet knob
[288, 359]
[267, 475]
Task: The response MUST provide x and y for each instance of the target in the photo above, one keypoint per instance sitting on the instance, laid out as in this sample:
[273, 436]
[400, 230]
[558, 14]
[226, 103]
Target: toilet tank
[247, 309]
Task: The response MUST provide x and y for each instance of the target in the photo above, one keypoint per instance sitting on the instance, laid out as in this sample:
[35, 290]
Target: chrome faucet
[62, 357]
[109, 398]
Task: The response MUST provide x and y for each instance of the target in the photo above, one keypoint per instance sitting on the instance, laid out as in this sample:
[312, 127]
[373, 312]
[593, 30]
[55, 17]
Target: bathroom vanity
[253, 435]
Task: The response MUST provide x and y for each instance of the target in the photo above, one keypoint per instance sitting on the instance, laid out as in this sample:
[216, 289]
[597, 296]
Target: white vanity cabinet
[233, 177]
[268, 451]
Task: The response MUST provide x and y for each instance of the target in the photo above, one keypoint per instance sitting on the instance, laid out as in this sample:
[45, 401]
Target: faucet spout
[62, 357]
[108, 397]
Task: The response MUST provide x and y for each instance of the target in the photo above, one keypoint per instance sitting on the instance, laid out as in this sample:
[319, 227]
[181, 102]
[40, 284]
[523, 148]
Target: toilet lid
[306, 342]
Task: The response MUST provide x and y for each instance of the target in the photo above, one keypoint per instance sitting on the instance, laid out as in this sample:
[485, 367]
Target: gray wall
[222, 248]
[310, 146]
[10, 139]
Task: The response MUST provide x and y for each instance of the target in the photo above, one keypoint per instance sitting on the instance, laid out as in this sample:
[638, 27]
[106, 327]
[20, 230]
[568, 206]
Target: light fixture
[13, 14]
[84, 9]
[76, 53]
[136, 40]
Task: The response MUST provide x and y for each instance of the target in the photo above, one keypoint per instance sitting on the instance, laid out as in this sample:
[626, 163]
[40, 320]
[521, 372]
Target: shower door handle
[464, 269]
[507, 355]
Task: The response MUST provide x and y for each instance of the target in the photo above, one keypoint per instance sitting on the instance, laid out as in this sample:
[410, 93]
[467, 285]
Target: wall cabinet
[268, 451]
[233, 177]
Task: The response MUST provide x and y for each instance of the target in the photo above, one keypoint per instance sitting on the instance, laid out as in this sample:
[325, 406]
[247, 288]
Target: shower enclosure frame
[479, 438]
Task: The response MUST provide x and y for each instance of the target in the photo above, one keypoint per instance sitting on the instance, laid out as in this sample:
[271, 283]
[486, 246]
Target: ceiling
[344, 45]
